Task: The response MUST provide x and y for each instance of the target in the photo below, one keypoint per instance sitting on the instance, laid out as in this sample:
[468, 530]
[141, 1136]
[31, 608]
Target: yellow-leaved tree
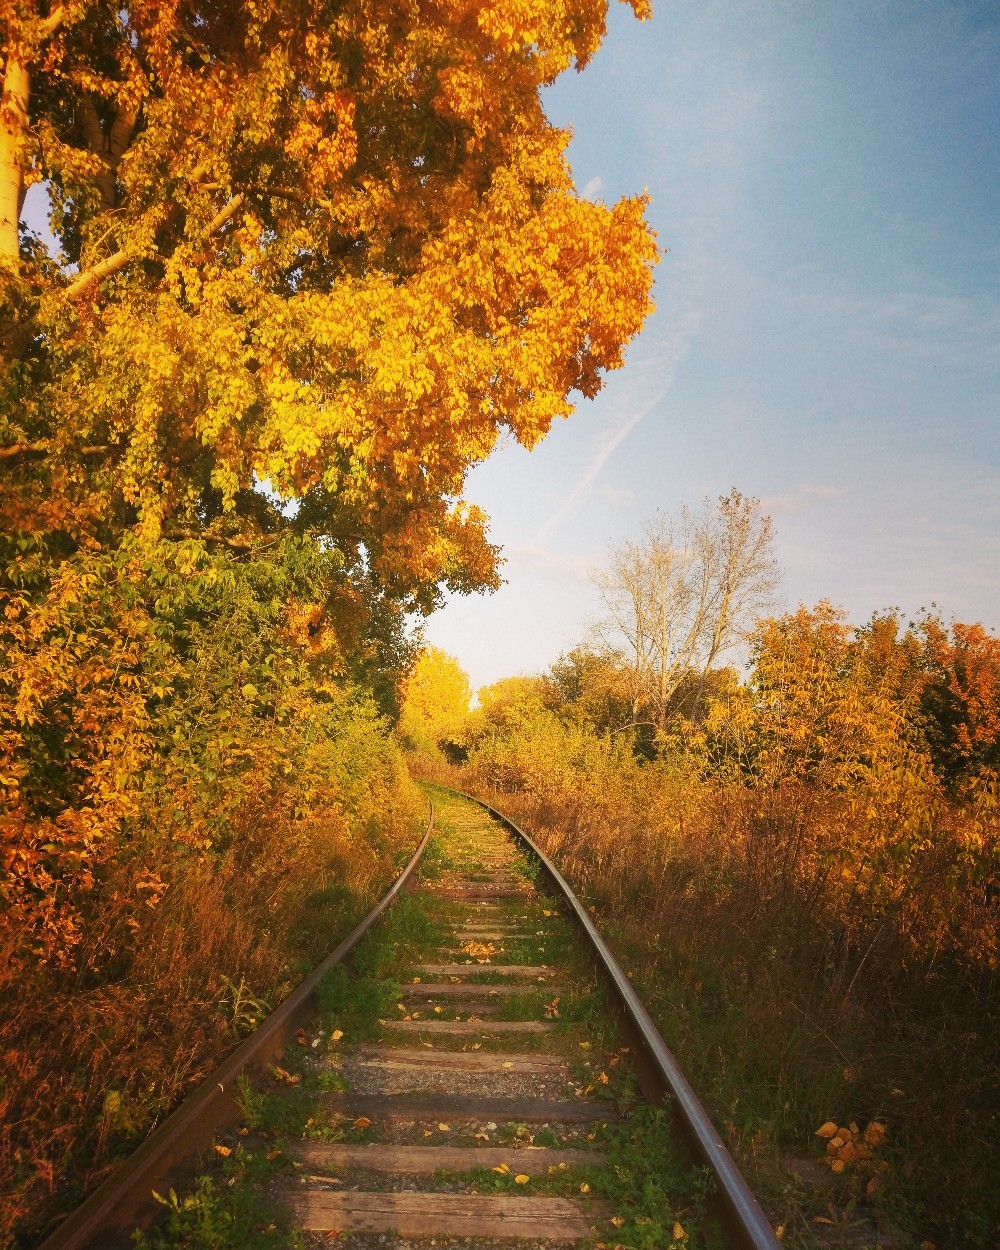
[314, 258]
[334, 247]
[435, 704]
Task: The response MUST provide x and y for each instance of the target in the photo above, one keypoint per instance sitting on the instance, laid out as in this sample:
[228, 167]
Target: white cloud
[592, 188]
[533, 558]
[802, 497]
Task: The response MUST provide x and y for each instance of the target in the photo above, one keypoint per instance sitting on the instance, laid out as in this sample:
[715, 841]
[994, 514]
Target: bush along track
[463, 1080]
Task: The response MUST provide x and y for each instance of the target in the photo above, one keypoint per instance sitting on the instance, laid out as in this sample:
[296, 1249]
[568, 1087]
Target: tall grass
[812, 952]
[160, 991]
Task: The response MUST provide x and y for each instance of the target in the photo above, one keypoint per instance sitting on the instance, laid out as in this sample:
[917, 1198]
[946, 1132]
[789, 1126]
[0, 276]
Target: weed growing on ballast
[405, 934]
[225, 1210]
[353, 1006]
[660, 1196]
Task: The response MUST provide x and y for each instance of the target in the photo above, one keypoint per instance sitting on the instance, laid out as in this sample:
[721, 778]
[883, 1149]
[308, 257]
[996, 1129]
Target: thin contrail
[668, 362]
[594, 469]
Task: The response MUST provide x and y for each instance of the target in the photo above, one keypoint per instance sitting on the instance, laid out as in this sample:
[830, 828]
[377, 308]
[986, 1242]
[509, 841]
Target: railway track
[481, 1074]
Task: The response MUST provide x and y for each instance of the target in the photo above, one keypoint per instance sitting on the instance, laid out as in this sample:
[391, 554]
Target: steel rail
[751, 1224]
[106, 1218]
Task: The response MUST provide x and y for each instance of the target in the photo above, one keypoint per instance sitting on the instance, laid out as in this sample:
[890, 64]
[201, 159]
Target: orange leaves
[355, 321]
[369, 264]
[481, 951]
[324, 140]
[850, 1148]
[283, 1076]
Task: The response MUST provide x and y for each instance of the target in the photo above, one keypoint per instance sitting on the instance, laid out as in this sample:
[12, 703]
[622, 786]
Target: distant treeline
[802, 866]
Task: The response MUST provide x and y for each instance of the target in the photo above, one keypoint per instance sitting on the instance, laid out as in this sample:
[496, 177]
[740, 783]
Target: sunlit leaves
[848, 1149]
[435, 701]
[334, 247]
[316, 258]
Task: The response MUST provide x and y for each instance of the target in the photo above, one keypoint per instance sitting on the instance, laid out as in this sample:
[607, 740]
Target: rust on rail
[106, 1219]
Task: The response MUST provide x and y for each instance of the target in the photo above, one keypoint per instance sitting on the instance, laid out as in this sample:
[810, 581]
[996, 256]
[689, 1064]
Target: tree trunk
[13, 125]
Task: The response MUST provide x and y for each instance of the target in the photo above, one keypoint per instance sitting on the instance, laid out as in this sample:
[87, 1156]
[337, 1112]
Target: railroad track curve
[485, 1071]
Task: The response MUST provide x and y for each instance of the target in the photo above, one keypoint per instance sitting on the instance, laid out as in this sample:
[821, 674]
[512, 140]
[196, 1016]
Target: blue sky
[827, 336]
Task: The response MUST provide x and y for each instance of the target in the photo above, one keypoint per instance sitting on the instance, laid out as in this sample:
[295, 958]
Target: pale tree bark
[13, 131]
[110, 144]
[747, 574]
[15, 98]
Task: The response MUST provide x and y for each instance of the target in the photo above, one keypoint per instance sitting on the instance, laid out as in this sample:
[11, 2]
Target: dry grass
[809, 955]
[92, 1059]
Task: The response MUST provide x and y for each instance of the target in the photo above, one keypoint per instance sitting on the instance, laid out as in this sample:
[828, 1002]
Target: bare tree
[683, 595]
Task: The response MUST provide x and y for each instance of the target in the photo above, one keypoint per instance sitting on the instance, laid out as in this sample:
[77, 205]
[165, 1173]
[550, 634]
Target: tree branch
[103, 269]
[43, 447]
[93, 131]
[109, 145]
[234, 544]
[223, 215]
[50, 24]
[123, 257]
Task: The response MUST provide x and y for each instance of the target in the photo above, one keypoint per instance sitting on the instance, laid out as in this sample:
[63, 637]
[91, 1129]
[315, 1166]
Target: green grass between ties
[653, 1184]
[436, 858]
[408, 934]
[227, 1209]
[649, 1184]
[354, 1005]
[558, 1180]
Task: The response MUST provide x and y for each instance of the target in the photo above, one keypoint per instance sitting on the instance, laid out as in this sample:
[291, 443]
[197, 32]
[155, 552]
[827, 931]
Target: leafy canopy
[436, 699]
[333, 247]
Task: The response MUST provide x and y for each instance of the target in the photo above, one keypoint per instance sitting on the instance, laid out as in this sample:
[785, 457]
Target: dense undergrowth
[818, 944]
[203, 797]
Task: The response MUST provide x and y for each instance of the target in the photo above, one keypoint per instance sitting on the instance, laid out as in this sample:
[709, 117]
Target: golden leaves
[353, 323]
[504, 1169]
[342, 254]
[849, 1147]
[283, 1076]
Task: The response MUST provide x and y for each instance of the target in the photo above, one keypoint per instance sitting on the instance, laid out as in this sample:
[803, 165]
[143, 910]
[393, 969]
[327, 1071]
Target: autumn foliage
[334, 248]
[435, 704]
[802, 868]
[314, 259]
